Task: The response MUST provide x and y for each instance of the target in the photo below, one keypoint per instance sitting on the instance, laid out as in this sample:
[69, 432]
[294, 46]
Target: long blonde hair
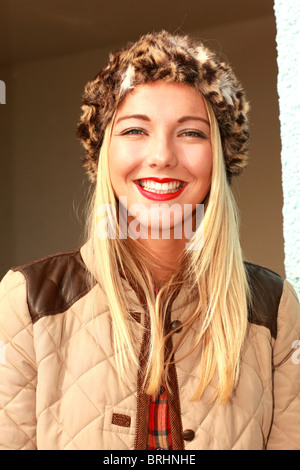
[215, 272]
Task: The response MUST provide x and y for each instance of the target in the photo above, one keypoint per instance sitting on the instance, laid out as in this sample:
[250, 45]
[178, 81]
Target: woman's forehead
[163, 98]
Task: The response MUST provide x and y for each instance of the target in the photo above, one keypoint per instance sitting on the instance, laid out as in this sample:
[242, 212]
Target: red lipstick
[156, 196]
[161, 180]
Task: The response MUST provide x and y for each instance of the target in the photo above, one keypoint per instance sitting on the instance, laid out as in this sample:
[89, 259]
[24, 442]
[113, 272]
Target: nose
[161, 153]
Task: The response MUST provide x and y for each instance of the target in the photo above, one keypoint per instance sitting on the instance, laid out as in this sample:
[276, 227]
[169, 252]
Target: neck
[168, 255]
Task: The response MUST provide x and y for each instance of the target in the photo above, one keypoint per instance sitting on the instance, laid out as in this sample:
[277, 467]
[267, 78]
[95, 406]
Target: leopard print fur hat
[182, 59]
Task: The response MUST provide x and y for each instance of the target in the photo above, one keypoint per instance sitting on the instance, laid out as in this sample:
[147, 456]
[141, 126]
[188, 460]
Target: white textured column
[287, 13]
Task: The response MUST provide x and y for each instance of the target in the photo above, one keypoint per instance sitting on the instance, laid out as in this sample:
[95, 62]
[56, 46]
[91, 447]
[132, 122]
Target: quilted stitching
[257, 421]
[250, 420]
[18, 369]
[73, 355]
[78, 378]
[286, 425]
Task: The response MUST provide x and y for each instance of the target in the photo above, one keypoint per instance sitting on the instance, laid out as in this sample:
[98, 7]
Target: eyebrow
[146, 118]
[133, 116]
[192, 118]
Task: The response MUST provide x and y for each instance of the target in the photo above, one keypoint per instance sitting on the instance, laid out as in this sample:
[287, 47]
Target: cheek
[201, 166]
[122, 161]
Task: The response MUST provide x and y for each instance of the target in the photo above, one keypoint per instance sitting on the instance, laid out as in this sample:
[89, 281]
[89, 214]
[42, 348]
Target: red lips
[161, 180]
[156, 196]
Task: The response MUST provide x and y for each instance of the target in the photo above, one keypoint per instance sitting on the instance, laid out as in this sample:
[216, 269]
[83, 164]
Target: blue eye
[194, 134]
[132, 132]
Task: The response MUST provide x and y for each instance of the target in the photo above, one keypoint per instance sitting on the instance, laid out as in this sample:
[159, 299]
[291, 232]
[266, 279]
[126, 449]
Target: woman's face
[160, 153]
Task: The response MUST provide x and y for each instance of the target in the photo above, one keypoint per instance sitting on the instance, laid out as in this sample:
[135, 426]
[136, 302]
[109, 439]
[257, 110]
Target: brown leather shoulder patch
[266, 287]
[54, 283]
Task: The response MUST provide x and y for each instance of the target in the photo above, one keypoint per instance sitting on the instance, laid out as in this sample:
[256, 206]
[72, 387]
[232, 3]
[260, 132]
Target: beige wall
[43, 191]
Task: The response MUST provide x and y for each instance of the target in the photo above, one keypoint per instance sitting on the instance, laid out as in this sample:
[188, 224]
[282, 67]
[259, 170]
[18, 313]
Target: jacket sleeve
[285, 431]
[17, 367]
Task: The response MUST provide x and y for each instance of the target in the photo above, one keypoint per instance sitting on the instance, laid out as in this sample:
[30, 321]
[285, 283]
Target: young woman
[156, 334]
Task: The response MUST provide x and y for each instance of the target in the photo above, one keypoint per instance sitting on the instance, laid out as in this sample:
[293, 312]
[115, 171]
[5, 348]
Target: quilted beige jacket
[58, 383]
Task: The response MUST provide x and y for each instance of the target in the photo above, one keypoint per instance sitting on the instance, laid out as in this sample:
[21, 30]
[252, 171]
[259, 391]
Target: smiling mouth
[166, 186]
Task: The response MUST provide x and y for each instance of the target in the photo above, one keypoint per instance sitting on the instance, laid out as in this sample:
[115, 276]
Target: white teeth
[161, 188]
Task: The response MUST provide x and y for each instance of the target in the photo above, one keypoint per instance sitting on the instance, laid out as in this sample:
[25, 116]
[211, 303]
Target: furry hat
[169, 57]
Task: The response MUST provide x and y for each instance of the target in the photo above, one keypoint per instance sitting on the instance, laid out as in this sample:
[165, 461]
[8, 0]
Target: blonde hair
[215, 272]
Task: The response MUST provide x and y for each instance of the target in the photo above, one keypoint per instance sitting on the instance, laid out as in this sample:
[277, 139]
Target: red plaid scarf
[160, 437]
[159, 423]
